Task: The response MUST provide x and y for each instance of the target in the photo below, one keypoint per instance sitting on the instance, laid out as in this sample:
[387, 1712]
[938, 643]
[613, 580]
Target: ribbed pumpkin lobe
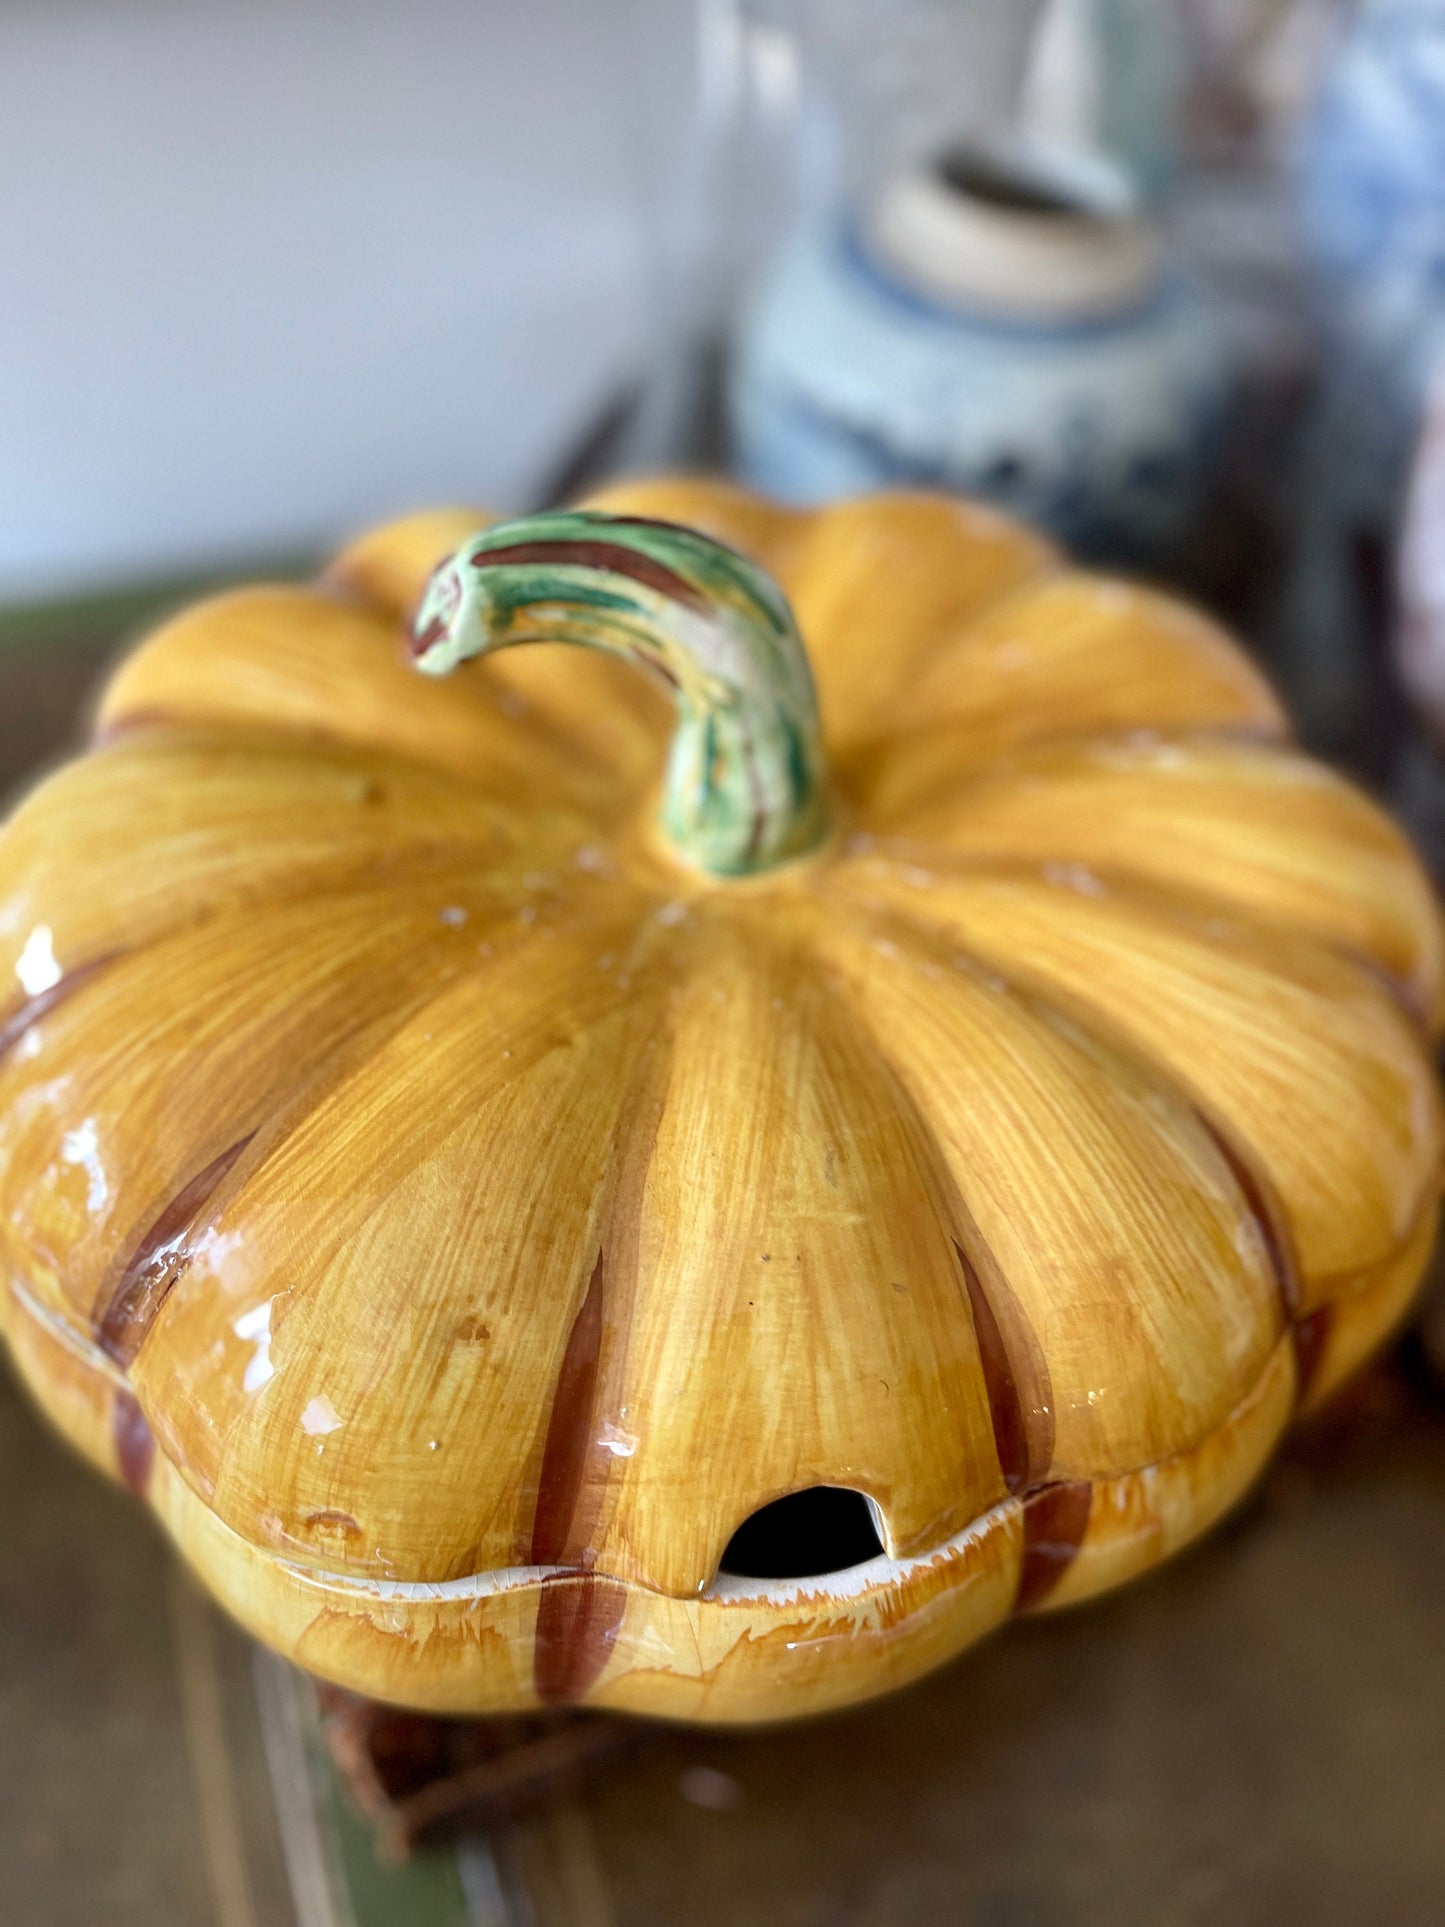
[745, 787]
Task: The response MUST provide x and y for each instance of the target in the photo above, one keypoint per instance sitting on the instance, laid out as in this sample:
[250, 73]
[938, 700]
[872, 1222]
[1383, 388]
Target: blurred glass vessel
[976, 297]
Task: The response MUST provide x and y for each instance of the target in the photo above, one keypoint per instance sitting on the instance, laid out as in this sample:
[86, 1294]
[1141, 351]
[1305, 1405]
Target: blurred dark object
[52, 655]
[1420, 638]
[1426, 1344]
[412, 1774]
[594, 452]
[41, 692]
[1252, 69]
[1372, 203]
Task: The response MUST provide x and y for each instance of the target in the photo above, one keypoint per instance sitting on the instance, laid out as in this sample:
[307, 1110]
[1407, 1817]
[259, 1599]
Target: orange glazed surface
[457, 1217]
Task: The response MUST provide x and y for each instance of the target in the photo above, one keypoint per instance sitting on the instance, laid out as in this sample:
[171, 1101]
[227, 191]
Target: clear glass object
[718, 150]
[758, 114]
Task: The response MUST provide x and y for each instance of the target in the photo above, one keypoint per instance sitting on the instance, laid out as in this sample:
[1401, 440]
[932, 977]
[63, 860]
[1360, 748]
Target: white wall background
[270, 268]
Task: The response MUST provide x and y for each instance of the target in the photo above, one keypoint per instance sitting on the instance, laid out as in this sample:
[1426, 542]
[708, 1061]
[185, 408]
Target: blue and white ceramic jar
[1003, 328]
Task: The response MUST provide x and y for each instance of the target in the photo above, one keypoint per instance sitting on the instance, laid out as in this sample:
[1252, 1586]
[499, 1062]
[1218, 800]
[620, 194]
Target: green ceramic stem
[745, 786]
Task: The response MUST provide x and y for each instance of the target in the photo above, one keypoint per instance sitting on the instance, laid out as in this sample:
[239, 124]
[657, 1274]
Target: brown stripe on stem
[614, 557]
[1056, 1517]
[655, 668]
[134, 1443]
[158, 1261]
[579, 1616]
[25, 1016]
[432, 633]
[1023, 1429]
[558, 1521]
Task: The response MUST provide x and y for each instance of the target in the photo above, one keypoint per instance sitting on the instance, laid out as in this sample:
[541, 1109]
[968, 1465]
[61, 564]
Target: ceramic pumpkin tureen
[469, 1196]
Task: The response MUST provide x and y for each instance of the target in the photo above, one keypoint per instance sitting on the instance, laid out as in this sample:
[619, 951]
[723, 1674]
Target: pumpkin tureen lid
[535, 1242]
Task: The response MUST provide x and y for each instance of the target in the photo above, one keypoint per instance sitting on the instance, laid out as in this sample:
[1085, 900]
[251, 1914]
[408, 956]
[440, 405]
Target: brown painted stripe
[132, 722]
[1268, 1215]
[1310, 1337]
[343, 1521]
[1404, 992]
[159, 1259]
[614, 557]
[1005, 1407]
[569, 1437]
[1056, 1517]
[579, 1616]
[135, 1446]
[25, 1016]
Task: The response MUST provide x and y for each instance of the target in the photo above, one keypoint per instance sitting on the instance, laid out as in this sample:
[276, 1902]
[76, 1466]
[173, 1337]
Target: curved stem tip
[745, 786]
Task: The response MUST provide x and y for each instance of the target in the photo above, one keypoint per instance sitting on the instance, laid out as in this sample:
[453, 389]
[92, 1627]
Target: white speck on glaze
[320, 1416]
[82, 1146]
[1074, 876]
[254, 1328]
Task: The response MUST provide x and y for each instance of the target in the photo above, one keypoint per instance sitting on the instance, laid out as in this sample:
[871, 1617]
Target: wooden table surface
[1254, 1735]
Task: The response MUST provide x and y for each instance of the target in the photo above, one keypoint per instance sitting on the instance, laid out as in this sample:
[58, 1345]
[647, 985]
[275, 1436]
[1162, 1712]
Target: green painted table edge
[97, 616]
